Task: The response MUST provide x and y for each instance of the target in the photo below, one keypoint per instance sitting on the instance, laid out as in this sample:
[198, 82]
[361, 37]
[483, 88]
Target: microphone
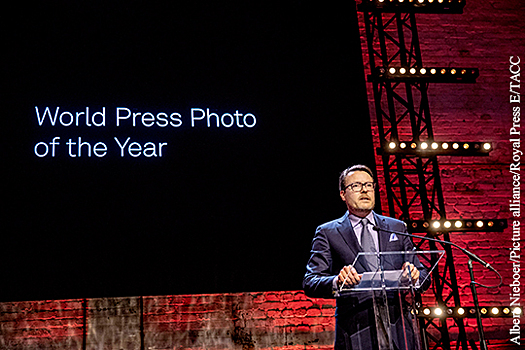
[468, 253]
[473, 283]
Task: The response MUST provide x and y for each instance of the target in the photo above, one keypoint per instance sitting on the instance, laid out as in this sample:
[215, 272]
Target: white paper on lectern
[390, 278]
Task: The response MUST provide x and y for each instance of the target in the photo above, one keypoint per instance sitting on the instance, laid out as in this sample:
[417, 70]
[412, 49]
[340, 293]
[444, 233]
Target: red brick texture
[265, 320]
[485, 36]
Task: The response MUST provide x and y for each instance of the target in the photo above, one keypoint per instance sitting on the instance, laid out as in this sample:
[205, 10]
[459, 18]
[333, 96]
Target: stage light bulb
[413, 145]
[468, 224]
[402, 70]
[455, 145]
[433, 71]
[438, 311]
[484, 311]
[440, 1]
[423, 71]
[506, 311]
[403, 145]
[392, 70]
[436, 224]
[516, 311]
[479, 224]
[490, 223]
[434, 145]
[443, 71]
[461, 311]
[425, 224]
[486, 146]
[424, 145]
[426, 311]
[458, 224]
[413, 70]
[392, 145]
[463, 71]
[466, 145]
[420, 1]
[447, 224]
[494, 311]
[444, 145]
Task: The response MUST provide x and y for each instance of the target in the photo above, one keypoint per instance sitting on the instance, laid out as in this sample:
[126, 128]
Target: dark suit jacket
[334, 246]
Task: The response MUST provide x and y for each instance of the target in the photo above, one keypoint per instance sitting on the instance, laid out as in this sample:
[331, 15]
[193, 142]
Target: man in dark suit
[334, 249]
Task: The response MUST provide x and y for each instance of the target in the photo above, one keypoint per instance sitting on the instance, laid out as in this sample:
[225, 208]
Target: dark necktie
[367, 242]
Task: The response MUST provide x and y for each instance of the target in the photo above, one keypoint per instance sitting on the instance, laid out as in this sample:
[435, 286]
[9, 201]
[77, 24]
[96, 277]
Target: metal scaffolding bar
[413, 184]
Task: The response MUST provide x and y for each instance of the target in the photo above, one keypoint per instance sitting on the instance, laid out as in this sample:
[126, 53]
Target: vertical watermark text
[515, 201]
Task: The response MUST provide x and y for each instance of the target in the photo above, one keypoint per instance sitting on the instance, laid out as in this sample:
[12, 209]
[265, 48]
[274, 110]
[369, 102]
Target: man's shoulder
[333, 223]
[389, 220]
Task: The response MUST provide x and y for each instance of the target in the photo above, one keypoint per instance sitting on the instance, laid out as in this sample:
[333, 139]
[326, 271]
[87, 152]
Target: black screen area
[168, 149]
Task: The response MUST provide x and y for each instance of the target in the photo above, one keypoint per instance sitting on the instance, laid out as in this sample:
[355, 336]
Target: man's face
[362, 202]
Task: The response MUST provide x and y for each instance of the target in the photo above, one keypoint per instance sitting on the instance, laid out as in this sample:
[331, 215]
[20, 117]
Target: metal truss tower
[412, 182]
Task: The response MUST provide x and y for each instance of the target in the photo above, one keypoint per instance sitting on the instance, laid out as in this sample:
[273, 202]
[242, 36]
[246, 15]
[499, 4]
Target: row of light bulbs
[486, 146]
[423, 1]
[407, 6]
[430, 74]
[457, 225]
[424, 71]
[488, 311]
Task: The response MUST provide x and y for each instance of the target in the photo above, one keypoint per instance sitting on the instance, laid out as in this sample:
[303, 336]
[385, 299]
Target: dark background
[225, 209]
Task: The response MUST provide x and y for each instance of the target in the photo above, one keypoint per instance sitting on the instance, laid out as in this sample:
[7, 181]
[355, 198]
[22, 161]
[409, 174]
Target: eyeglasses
[358, 186]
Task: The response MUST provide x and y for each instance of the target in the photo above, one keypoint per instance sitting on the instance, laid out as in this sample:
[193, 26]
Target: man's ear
[342, 195]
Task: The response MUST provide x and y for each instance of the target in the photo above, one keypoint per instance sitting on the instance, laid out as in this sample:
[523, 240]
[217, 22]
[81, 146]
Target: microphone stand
[482, 342]
[473, 283]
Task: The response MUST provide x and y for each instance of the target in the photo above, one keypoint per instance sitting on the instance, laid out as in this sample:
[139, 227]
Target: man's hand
[348, 276]
[414, 272]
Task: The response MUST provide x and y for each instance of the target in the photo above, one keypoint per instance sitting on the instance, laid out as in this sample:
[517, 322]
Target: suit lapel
[347, 233]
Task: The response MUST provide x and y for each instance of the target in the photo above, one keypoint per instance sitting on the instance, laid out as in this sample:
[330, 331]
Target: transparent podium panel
[389, 282]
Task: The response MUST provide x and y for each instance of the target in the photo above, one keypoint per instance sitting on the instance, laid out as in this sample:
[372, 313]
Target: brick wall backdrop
[265, 320]
[484, 36]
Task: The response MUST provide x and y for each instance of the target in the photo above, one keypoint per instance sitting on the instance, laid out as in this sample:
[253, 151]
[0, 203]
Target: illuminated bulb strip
[431, 74]
[416, 6]
[421, 1]
[470, 312]
[475, 225]
[439, 148]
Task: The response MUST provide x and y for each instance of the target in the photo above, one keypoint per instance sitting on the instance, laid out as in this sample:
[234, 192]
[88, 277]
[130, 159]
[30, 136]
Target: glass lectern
[387, 282]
